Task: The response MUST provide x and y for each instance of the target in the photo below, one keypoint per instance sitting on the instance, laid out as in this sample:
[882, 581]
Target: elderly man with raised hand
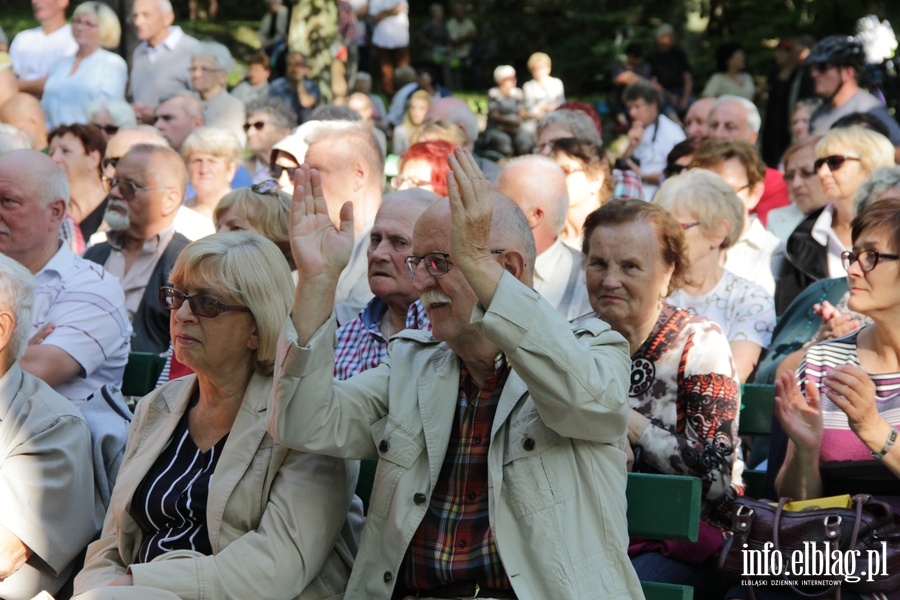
[80, 328]
[736, 118]
[211, 62]
[351, 165]
[159, 66]
[34, 52]
[506, 417]
[538, 186]
[50, 511]
[142, 243]
[268, 122]
[363, 342]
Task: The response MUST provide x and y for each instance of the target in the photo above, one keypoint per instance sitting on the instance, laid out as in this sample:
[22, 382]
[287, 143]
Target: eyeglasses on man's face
[129, 189]
[436, 263]
[201, 305]
[867, 259]
[257, 125]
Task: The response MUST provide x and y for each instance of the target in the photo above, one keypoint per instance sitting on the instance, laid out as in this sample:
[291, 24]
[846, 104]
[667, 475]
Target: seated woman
[416, 108]
[684, 396]
[506, 114]
[844, 160]
[212, 156]
[820, 311]
[588, 179]
[425, 166]
[79, 150]
[543, 93]
[92, 72]
[730, 77]
[712, 218]
[206, 504]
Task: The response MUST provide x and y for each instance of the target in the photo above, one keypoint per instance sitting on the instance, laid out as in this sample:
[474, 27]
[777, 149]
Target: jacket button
[528, 444]
[388, 577]
[419, 498]
[383, 446]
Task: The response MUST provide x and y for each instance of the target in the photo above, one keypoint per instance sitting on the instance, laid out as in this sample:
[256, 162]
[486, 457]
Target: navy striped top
[170, 503]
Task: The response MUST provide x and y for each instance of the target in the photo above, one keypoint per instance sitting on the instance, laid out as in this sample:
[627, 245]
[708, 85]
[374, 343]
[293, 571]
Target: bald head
[455, 111]
[538, 186]
[509, 231]
[24, 112]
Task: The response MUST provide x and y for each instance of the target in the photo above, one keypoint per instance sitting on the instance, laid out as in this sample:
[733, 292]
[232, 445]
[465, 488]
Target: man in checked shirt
[500, 438]
[363, 342]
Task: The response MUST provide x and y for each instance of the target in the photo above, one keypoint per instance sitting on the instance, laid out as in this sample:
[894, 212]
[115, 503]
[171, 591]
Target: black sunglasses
[834, 162]
[257, 125]
[110, 163]
[108, 129]
[276, 170]
[201, 304]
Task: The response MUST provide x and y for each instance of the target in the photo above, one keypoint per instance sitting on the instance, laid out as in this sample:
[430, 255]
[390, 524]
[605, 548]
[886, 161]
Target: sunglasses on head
[834, 162]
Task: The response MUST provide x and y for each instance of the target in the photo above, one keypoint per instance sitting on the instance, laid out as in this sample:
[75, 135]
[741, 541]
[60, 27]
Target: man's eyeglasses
[436, 263]
[405, 182]
[257, 125]
[129, 188]
[834, 162]
[276, 170]
[867, 259]
[201, 304]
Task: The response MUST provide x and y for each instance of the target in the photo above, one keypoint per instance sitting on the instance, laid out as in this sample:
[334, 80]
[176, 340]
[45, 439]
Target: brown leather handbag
[856, 547]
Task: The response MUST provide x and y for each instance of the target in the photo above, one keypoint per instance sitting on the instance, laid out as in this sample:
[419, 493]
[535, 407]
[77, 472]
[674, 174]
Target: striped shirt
[170, 503]
[361, 345]
[454, 541]
[839, 443]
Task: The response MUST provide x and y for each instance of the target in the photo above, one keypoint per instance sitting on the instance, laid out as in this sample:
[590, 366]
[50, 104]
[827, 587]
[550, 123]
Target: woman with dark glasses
[844, 160]
[843, 404]
[206, 503]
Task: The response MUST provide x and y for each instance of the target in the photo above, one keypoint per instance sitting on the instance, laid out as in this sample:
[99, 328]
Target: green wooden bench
[758, 406]
[141, 373]
[664, 507]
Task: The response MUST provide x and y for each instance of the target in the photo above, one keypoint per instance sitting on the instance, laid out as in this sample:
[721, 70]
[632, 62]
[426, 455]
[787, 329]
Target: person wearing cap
[835, 64]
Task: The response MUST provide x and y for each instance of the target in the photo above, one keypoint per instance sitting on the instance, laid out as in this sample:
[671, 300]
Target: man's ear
[57, 210]
[360, 174]
[513, 261]
[171, 202]
[535, 216]
[7, 328]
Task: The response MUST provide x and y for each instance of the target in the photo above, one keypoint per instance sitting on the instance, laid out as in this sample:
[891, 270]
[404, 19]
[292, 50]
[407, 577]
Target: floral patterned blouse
[683, 379]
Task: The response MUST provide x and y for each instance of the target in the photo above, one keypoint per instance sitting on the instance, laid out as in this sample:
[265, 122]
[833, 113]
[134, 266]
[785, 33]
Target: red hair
[586, 109]
[435, 153]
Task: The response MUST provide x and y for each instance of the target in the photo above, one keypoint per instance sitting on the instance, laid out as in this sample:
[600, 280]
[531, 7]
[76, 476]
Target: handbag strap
[832, 532]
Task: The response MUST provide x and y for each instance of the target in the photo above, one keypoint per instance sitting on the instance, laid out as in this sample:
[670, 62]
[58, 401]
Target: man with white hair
[736, 118]
[50, 511]
[160, 63]
[79, 317]
[538, 186]
[211, 62]
[177, 116]
[352, 166]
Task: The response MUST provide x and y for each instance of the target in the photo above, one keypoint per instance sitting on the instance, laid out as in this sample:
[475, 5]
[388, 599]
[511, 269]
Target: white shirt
[392, 32]
[538, 95]
[744, 310]
[66, 96]
[191, 224]
[825, 236]
[167, 45]
[751, 256]
[659, 139]
[782, 222]
[87, 306]
[554, 277]
[34, 54]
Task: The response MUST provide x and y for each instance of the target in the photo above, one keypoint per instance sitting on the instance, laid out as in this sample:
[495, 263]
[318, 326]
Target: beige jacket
[556, 460]
[278, 519]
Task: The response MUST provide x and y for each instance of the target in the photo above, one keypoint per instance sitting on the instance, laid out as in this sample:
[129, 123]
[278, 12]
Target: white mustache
[434, 297]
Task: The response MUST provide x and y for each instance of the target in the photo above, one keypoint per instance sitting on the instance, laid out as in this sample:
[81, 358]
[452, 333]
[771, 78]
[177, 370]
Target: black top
[669, 67]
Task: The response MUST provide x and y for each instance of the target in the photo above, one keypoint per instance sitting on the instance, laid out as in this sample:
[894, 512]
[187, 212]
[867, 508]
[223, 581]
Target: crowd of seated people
[527, 315]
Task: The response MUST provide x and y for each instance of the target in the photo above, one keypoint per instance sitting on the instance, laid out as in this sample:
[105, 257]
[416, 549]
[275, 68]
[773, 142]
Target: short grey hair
[283, 117]
[577, 122]
[54, 187]
[212, 140]
[334, 112]
[12, 139]
[119, 111]
[880, 181]
[754, 121]
[218, 52]
[17, 287]
[540, 172]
